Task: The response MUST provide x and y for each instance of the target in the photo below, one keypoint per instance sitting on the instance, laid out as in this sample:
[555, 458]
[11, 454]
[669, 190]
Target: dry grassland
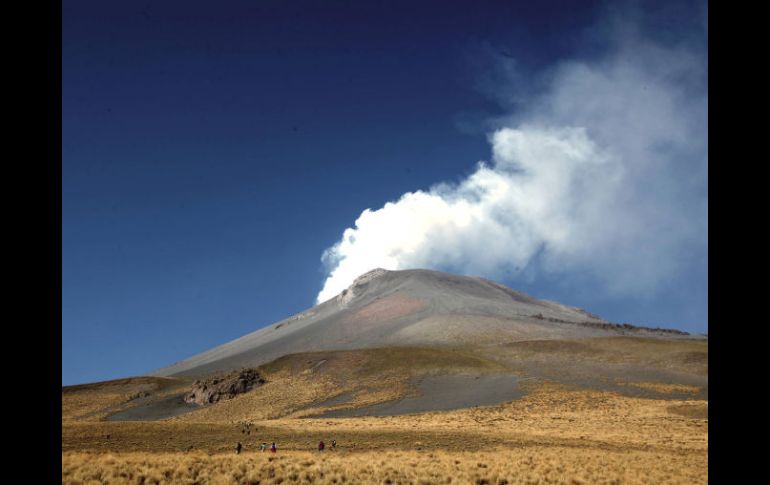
[535, 464]
[683, 355]
[372, 376]
[664, 388]
[95, 401]
[555, 434]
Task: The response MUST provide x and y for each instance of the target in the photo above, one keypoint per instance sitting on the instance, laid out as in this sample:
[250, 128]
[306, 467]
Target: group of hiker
[321, 445]
[263, 447]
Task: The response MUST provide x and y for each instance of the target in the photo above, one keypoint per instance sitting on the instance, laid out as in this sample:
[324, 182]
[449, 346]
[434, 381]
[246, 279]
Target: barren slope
[403, 308]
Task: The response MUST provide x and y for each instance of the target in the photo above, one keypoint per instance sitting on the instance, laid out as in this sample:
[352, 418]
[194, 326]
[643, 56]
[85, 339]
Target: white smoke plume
[604, 173]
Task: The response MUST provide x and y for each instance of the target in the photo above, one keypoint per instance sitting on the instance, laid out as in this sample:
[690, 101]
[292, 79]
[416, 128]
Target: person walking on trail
[238, 448]
[334, 444]
[263, 446]
[321, 445]
[273, 449]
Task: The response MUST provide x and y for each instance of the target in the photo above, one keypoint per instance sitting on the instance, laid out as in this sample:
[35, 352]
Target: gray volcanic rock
[403, 308]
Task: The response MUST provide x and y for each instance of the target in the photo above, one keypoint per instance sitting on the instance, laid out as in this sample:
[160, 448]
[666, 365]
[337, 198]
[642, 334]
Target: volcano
[404, 342]
[418, 307]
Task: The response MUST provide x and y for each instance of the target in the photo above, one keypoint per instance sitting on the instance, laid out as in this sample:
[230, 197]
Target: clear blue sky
[212, 152]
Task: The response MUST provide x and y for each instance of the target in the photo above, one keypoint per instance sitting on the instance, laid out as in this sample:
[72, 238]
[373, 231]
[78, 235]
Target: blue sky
[211, 155]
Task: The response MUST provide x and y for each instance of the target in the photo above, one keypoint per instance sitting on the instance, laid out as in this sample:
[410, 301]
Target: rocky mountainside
[405, 308]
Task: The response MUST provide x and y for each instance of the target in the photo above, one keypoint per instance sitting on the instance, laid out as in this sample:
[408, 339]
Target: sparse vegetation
[552, 435]
[688, 356]
[95, 401]
[535, 464]
[556, 433]
[665, 388]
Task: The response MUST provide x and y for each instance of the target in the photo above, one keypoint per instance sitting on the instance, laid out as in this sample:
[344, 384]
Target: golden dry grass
[536, 464]
[696, 409]
[683, 355]
[370, 376]
[95, 401]
[664, 388]
[553, 435]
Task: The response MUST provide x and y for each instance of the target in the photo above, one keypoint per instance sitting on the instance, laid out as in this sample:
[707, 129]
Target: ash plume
[604, 172]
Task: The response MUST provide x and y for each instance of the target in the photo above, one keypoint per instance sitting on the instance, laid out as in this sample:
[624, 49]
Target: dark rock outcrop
[613, 326]
[215, 389]
[138, 395]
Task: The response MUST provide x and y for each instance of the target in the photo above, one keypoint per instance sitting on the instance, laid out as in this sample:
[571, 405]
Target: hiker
[321, 445]
[238, 448]
[263, 446]
[273, 449]
[334, 444]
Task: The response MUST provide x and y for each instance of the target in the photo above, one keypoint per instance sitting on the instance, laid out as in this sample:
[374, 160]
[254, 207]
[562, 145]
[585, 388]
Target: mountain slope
[402, 308]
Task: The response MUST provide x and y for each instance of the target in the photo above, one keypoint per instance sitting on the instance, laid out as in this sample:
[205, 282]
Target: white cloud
[605, 173]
